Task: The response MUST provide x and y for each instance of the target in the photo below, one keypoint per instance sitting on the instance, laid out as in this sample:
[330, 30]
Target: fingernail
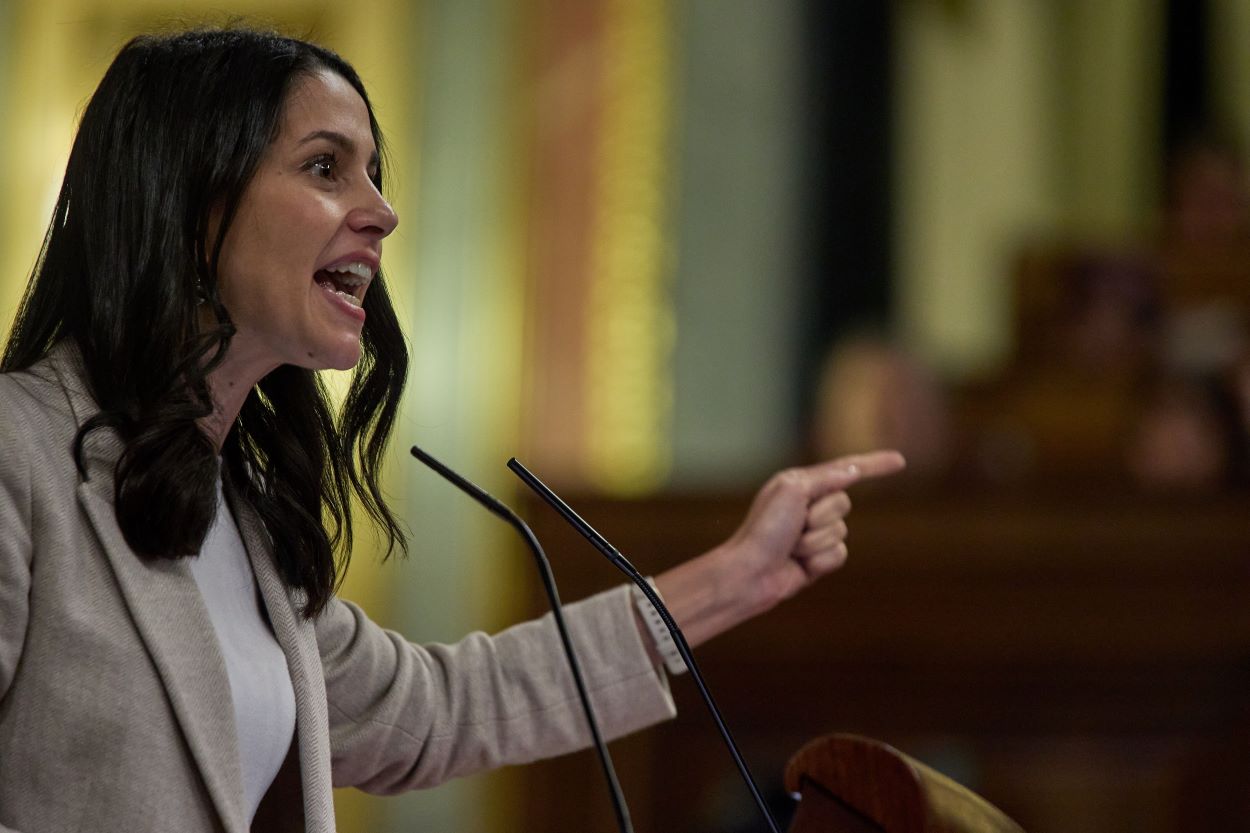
[852, 470]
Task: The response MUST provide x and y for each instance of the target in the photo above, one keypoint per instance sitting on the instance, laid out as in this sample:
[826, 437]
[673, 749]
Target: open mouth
[346, 280]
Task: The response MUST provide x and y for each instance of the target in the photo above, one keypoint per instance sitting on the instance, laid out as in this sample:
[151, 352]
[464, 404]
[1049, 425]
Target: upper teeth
[354, 274]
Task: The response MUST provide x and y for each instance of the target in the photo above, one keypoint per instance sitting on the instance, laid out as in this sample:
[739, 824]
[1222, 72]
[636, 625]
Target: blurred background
[661, 249]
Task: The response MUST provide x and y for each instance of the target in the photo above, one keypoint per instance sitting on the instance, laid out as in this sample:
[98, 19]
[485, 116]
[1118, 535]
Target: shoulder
[38, 417]
[32, 397]
[37, 392]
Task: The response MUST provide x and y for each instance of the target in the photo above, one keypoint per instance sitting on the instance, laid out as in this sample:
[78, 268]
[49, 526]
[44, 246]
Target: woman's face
[307, 238]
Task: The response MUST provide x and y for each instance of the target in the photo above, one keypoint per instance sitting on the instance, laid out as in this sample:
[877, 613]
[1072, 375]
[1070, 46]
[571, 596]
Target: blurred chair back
[851, 784]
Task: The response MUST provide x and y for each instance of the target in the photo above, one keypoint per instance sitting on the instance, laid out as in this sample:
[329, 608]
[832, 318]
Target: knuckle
[789, 480]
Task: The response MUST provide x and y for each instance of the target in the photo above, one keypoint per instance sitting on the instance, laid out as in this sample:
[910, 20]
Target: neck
[230, 383]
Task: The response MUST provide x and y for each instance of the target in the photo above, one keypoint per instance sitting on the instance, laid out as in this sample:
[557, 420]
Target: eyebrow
[341, 140]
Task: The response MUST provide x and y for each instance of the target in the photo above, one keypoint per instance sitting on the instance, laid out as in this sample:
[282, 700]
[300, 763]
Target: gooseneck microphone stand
[544, 568]
[621, 563]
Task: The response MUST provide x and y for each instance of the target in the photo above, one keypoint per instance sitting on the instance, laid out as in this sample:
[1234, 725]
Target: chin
[338, 356]
[344, 362]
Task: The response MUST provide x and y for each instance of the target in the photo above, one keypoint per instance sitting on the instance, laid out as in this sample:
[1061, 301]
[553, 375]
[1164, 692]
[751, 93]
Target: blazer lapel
[168, 613]
[298, 639]
[171, 619]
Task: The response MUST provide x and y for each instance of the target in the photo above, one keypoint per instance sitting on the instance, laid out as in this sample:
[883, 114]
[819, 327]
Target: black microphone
[621, 563]
[549, 583]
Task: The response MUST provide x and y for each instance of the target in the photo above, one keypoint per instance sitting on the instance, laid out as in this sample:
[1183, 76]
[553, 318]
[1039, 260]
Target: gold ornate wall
[598, 396]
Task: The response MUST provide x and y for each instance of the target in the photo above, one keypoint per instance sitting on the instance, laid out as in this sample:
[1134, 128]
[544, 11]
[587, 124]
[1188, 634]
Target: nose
[373, 216]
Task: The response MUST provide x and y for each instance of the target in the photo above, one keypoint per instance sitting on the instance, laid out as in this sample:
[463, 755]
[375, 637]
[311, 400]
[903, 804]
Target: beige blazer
[115, 709]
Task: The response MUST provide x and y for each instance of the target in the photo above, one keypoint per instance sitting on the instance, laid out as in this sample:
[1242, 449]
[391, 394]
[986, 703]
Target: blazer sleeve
[404, 716]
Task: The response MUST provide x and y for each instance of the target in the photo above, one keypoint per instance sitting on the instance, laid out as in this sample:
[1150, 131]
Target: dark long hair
[175, 130]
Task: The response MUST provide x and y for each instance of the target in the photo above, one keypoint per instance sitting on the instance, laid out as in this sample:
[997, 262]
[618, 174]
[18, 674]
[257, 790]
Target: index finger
[838, 474]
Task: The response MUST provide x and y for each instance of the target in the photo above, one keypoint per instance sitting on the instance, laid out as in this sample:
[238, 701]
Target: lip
[355, 312]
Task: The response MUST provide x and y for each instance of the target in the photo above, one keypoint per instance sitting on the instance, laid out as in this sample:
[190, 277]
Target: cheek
[243, 288]
[269, 255]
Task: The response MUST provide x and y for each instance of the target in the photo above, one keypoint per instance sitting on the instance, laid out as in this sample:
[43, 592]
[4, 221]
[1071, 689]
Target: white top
[260, 684]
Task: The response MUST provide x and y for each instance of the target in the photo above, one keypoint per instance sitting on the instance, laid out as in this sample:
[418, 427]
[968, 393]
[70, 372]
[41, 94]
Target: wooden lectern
[851, 784]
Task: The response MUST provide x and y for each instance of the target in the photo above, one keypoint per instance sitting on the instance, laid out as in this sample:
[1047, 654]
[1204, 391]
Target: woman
[216, 241]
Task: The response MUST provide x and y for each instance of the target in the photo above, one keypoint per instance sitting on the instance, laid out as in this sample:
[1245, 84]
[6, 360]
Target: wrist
[707, 595]
[737, 589]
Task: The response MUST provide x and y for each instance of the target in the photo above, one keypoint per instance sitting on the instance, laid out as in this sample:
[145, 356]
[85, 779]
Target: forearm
[706, 597]
[404, 716]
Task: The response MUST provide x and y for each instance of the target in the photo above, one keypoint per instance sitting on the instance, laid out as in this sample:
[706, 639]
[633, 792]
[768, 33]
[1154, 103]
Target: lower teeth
[346, 296]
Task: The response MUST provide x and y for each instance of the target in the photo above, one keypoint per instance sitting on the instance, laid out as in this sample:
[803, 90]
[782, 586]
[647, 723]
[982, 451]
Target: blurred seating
[1130, 364]
[1130, 370]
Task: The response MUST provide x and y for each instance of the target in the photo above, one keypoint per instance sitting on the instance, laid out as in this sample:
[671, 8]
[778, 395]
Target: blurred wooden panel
[1081, 659]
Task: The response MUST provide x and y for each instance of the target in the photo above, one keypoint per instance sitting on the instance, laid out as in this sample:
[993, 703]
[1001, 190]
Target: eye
[323, 166]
